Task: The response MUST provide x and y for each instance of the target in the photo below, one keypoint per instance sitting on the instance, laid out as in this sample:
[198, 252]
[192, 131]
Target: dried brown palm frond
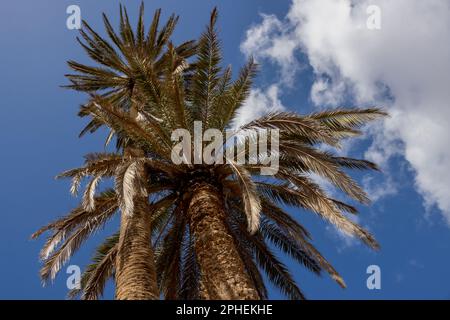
[55, 261]
[250, 198]
[106, 204]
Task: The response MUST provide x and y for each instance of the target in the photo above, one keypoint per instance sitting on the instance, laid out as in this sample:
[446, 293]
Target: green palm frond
[294, 126]
[146, 133]
[190, 274]
[307, 159]
[337, 119]
[169, 258]
[297, 232]
[286, 244]
[206, 77]
[275, 270]
[94, 278]
[235, 95]
[134, 56]
[246, 251]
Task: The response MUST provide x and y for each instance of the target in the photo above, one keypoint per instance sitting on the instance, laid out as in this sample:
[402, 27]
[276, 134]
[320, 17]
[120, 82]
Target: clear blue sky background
[39, 129]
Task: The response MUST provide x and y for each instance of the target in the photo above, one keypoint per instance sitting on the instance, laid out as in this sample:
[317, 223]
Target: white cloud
[257, 104]
[404, 66]
[345, 241]
[270, 40]
[377, 190]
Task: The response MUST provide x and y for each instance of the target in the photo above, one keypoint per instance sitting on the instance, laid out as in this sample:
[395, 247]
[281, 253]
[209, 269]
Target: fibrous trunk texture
[135, 268]
[223, 274]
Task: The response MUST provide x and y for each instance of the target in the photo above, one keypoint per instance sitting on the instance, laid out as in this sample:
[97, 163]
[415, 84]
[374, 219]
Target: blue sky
[39, 130]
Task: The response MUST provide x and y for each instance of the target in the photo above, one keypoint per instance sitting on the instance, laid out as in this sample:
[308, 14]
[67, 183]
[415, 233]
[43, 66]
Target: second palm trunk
[135, 269]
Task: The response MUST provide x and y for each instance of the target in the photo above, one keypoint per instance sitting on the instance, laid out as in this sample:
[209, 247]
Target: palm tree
[211, 225]
[136, 53]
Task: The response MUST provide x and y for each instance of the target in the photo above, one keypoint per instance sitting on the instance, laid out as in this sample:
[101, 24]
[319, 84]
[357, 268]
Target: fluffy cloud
[404, 66]
[257, 104]
[270, 40]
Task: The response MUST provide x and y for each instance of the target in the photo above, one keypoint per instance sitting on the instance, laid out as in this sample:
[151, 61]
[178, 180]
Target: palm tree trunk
[135, 265]
[223, 274]
[135, 269]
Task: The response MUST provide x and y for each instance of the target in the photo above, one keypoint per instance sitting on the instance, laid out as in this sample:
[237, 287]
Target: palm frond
[88, 197]
[54, 263]
[207, 69]
[190, 274]
[285, 243]
[106, 204]
[300, 235]
[252, 205]
[245, 249]
[94, 278]
[308, 195]
[346, 123]
[276, 271]
[126, 185]
[283, 219]
[236, 94]
[150, 135]
[168, 258]
[307, 159]
[354, 163]
[294, 125]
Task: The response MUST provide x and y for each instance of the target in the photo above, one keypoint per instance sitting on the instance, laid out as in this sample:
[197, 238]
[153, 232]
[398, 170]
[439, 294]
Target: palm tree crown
[213, 227]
